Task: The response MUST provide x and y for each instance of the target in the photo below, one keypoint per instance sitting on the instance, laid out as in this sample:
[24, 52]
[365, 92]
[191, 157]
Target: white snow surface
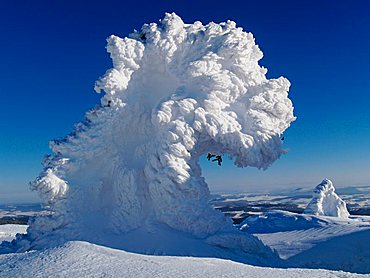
[315, 241]
[176, 91]
[326, 202]
[83, 259]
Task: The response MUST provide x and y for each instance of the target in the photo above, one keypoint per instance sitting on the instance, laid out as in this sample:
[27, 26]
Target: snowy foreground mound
[82, 259]
[326, 202]
[176, 91]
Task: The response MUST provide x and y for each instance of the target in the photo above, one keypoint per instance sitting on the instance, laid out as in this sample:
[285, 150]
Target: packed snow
[315, 241]
[326, 202]
[130, 170]
[83, 259]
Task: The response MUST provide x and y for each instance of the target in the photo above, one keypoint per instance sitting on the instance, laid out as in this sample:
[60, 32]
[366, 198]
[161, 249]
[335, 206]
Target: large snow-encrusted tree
[176, 91]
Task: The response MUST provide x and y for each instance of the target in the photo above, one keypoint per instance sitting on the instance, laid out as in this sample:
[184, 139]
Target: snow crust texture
[315, 241]
[326, 202]
[176, 91]
[83, 259]
[279, 221]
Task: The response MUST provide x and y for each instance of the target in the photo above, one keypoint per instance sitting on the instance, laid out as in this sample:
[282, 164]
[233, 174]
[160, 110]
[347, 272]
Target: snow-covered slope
[345, 249]
[280, 221]
[326, 202]
[301, 240]
[82, 259]
[315, 241]
[176, 91]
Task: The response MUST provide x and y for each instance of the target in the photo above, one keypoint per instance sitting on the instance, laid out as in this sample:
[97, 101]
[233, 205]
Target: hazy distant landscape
[238, 206]
[19, 213]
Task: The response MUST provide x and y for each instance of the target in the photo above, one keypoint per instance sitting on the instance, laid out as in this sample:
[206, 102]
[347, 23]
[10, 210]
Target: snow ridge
[326, 202]
[176, 91]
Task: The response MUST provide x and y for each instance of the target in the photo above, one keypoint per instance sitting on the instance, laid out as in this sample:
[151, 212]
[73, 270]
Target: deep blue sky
[53, 51]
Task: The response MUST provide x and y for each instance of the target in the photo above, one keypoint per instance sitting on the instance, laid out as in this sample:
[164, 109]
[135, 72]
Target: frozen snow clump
[326, 202]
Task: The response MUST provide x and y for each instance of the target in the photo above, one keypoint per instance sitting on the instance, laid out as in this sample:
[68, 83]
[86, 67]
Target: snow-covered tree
[176, 91]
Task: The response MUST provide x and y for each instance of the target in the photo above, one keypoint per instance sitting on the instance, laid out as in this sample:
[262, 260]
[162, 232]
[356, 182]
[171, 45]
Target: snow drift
[326, 202]
[280, 221]
[176, 91]
[83, 259]
[314, 241]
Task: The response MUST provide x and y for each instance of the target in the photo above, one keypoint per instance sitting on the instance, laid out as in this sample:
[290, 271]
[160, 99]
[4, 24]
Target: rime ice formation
[326, 202]
[176, 91]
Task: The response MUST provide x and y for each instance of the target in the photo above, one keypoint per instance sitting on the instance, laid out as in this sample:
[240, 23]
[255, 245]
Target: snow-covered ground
[315, 241]
[83, 259]
[302, 241]
[326, 236]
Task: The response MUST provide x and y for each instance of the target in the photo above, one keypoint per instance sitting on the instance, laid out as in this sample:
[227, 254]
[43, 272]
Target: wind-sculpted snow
[176, 91]
[326, 202]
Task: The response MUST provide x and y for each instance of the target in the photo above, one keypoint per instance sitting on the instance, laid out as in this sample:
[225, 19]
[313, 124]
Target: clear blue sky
[53, 51]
